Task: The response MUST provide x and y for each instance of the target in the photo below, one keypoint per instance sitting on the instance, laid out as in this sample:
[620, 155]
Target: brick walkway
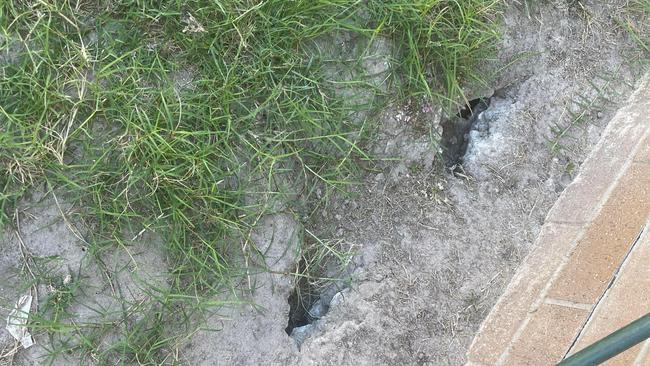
[589, 271]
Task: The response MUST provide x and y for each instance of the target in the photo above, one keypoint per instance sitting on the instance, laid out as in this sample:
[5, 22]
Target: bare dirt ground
[438, 248]
[435, 248]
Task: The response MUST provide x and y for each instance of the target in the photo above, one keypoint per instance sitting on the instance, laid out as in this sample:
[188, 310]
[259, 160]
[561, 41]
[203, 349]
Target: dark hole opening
[470, 108]
[299, 311]
[301, 299]
[455, 131]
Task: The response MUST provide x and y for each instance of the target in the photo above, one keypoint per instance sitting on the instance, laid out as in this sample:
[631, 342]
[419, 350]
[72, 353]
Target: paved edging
[587, 235]
[625, 301]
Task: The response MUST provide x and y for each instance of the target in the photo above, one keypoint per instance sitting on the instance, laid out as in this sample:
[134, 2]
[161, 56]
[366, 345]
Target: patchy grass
[584, 107]
[440, 43]
[190, 119]
[637, 25]
[634, 19]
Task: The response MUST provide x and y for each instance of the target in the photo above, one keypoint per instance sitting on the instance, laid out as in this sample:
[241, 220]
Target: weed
[636, 25]
[582, 107]
[642, 5]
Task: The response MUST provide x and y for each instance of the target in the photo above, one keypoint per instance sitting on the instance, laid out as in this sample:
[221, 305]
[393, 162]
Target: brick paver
[574, 282]
[644, 155]
[608, 239]
[524, 289]
[627, 300]
[643, 358]
[545, 339]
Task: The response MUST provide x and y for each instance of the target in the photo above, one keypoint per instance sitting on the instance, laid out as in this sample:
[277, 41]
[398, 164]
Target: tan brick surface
[580, 200]
[626, 301]
[597, 256]
[547, 337]
[626, 358]
[554, 242]
[644, 154]
[644, 358]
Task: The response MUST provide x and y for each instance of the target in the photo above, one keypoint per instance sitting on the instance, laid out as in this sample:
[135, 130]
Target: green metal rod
[615, 343]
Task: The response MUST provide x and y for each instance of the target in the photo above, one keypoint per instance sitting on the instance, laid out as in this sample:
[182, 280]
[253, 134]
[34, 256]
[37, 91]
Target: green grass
[637, 25]
[642, 5]
[598, 96]
[193, 119]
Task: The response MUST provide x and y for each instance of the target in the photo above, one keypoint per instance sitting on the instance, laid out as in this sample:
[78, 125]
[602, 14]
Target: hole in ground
[320, 277]
[474, 106]
[455, 131]
[305, 302]
[301, 300]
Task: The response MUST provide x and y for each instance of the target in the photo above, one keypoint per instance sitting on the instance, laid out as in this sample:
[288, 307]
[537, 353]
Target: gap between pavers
[627, 299]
